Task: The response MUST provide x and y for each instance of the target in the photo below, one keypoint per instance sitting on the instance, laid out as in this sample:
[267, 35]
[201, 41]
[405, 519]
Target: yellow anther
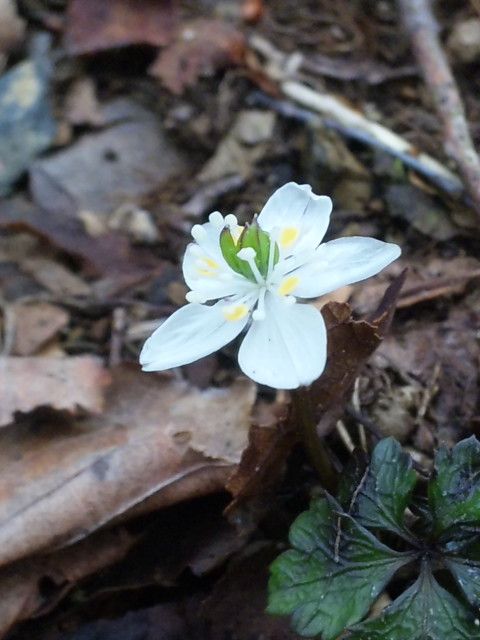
[288, 236]
[206, 273]
[210, 263]
[235, 312]
[288, 285]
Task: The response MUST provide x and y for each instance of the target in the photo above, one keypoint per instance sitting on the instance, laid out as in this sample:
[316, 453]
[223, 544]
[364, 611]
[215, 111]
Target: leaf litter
[152, 116]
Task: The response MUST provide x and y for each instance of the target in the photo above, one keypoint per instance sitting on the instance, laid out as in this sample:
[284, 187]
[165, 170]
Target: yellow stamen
[210, 263]
[288, 285]
[235, 312]
[288, 236]
[206, 273]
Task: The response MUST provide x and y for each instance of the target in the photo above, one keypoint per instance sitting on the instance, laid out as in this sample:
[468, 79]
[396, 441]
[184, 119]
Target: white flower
[252, 277]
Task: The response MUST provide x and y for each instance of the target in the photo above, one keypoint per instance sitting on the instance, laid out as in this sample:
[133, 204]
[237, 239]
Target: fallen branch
[336, 114]
[423, 29]
[356, 125]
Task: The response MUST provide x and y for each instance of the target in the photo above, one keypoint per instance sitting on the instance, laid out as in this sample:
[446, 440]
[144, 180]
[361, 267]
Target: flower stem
[307, 426]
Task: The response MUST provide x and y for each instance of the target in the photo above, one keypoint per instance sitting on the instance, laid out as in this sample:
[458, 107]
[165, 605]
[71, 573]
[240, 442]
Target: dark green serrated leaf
[425, 611]
[378, 495]
[332, 575]
[454, 491]
[466, 571]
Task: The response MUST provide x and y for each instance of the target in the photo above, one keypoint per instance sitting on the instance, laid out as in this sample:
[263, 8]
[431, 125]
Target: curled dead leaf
[60, 481]
[72, 384]
[201, 47]
[20, 583]
[93, 26]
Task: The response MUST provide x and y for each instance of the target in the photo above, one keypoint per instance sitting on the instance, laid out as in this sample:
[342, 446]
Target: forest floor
[149, 506]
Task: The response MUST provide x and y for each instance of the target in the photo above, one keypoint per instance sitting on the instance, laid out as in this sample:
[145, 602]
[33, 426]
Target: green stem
[307, 426]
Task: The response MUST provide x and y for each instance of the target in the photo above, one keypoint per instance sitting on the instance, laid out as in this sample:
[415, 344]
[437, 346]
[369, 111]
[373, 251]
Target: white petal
[298, 213]
[192, 332]
[210, 276]
[207, 236]
[288, 348]
[341, 262]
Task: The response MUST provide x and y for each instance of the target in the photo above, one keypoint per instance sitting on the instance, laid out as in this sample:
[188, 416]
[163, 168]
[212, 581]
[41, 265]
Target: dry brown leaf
[94, 26]
[243, 146]
[20, 583]
[12, 27]
[81, 104]
[233, 406]
[60, 482]
[73, 383]
[427, 279]
[55, 277]
[35, 325]
[350, 344]
[106, 169]
[236, 606]
[110, 254]
[201, 47]
[445, 358]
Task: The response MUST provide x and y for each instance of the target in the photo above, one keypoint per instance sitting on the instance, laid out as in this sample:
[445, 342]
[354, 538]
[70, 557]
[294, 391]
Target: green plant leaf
[378, 494]
[454, 491]
[466, 571]
[334, 572]
[425, 611]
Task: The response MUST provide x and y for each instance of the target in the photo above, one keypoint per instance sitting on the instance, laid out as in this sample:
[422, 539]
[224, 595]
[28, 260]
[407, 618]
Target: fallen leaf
[21, 594]
[253, 10]
[201, 47]
[110, 254]
[73, 383]
[106, 169]
[193, 536]
[269, 443]
[165, 621]
[420, 211]
[12, 27]
[233, 406]
[445, 356]
[350, 344]
[427, 279]
[55, 277]
[93, 26]
[35, 325]
[27, 126]
[236, 606]
[61, 481]
[81, 104]
[244, 145]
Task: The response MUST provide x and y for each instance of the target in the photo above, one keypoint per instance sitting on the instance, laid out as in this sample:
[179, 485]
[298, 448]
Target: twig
[330, 106]
[9, 328]
[333, 113]
[423, 29]
[205, 196]
[119, 323]
[445, 180]
[345, 436]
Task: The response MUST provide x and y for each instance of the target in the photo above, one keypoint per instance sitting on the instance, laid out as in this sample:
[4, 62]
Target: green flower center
[255, 238]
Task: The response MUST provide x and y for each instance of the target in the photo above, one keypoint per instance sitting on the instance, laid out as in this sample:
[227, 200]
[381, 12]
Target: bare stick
[423, 29]
[372, 133]
[334, 113]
